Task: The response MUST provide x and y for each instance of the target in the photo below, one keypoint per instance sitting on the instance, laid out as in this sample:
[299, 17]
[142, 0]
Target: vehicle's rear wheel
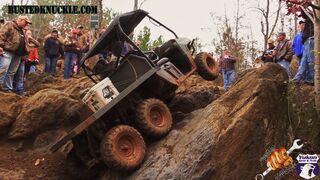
[77, 170]
[154, 118]
[207, 67]
[123, 148]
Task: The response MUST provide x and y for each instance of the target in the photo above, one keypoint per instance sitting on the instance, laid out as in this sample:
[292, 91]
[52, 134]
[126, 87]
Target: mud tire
[154, 118]
[123, 148]
[207, 67]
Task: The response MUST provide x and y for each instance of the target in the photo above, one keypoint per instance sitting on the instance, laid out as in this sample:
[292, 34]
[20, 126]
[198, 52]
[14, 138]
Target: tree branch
[276, 20]
[314, 6]
[308, 14]
[142, 3]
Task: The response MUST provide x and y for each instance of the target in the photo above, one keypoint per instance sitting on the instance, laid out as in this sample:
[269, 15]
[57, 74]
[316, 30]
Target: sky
[190, 18]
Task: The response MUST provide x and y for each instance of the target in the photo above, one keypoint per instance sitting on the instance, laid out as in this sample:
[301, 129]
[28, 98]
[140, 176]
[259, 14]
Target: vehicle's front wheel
[154, 118]
[123, 148]
[207, 67]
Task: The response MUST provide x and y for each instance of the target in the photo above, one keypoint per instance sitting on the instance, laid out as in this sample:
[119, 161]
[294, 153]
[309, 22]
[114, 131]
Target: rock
[199, 98]
[7, 110]
[226, 139]
[6, 174]
[78, 87]
[46, 108]
[44, 140]
[303, 115]
[193, 94]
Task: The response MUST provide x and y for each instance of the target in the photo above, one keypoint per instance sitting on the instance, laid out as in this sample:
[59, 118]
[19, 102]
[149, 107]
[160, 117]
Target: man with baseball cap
[297, 45]
[267, 55]
[283, 52]
[13, 45]
[306, 68]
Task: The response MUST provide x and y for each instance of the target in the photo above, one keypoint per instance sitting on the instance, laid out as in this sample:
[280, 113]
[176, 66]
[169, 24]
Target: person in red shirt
[33, 58]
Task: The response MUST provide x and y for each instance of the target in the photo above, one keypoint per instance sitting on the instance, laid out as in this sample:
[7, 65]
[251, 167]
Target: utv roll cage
[116, 34]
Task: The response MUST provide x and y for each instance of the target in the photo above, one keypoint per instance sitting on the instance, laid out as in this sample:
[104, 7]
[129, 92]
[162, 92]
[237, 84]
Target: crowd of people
[301, 47]
[19, 54]
[281, 52]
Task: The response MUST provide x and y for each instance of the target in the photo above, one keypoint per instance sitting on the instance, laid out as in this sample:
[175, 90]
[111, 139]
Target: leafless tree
[267, 25]
[137, 5]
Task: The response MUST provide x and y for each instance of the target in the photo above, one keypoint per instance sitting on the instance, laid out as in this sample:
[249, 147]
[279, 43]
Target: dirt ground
[18, 164]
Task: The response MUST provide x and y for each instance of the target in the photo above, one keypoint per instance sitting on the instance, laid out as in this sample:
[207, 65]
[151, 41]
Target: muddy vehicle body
[128, 100]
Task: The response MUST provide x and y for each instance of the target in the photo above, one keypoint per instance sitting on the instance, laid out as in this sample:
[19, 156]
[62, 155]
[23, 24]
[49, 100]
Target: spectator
[18, 80]
[84, 45]
[33, 58]
[138, 43]
[72, 48]
[297, 45]
[13, 45]
[1, 22]
[267, 54]
[257, 63]
[53, 49]
[283, 52]
[306, 67]
[227, 67]
[61, 40]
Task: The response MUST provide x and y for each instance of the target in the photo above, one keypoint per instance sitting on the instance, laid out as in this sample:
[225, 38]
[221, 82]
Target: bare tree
[267, 27]
[136, 3]
[135, 6]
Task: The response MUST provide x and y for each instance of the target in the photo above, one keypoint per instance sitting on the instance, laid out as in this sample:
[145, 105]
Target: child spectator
[33, 58]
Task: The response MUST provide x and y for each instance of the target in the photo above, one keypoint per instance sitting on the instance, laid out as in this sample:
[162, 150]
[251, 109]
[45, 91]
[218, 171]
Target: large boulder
[7, 110]
[44, 109]
[226, 139]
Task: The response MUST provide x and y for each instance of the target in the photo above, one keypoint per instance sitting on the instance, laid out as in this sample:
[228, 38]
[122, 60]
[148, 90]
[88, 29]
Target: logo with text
[307, 166]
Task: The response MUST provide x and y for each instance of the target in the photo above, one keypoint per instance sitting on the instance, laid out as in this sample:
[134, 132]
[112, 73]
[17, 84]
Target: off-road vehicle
[128, 100]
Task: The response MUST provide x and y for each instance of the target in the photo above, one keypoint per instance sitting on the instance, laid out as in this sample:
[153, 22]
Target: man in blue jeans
[53, 49]
[72, 48]
[297, 45]
[19, 79]
[13, 45]
[307, 62]
[227, 68]
[283, 52]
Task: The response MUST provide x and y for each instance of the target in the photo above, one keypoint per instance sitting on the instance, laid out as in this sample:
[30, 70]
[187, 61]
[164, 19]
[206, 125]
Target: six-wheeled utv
[128, 100]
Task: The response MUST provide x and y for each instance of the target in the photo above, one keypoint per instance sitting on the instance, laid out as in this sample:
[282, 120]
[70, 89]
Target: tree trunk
[135, 7]
[317, 61]
[100, 11]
